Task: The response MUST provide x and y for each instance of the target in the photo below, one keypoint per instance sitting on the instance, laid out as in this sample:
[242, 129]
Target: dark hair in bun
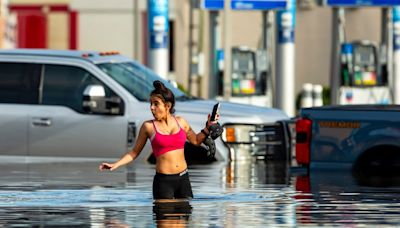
[164, 93]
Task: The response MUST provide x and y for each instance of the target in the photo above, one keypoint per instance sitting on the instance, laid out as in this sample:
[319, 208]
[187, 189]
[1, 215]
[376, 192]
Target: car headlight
[257, 140]
[238, 133]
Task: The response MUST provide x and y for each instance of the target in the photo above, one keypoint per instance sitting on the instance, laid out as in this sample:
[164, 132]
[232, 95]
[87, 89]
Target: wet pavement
[241, 194]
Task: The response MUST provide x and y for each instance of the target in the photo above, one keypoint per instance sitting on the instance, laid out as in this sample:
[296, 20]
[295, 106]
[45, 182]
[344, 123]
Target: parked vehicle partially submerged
[77, 104]
[364, 138]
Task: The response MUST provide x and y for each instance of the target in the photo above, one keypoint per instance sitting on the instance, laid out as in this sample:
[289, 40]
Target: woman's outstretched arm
[134, 153]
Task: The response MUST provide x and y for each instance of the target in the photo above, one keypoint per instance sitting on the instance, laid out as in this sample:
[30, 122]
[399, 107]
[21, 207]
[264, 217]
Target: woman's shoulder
[148, 127]
[180, 118]
[148, 124]
[181, 121]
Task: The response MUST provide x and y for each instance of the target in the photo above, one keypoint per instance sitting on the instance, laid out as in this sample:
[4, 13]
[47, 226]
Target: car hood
[229, 112]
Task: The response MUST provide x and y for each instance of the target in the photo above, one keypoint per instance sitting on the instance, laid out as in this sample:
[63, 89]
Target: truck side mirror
[94, 91]
[96, 102]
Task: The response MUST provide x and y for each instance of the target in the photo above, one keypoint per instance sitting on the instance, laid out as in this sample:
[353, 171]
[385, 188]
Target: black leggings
[172, 186]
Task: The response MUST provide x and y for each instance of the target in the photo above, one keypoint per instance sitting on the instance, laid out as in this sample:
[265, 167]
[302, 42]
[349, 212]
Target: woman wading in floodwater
[167, 134]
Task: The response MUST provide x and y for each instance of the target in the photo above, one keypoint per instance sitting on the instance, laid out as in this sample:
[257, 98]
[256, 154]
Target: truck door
[18, 91]
[59, 127]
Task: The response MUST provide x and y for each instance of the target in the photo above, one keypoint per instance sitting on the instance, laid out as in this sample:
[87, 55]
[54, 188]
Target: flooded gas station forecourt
[235, 194]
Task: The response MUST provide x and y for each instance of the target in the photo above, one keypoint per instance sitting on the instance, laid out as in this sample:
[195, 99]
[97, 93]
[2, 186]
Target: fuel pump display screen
[364, 56]
[243, 72]
[365, 70]
[243, 62]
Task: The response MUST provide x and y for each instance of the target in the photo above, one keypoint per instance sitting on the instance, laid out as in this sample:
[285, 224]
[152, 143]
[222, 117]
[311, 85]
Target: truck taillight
[303, 140]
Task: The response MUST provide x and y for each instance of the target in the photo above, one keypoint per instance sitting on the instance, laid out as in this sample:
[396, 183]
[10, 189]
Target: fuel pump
[251, 81]
[243, 72]
[362, 72]
[363, 78]
[360, 64]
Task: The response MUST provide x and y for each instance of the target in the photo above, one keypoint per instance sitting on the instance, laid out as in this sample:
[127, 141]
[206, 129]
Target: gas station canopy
[361, 3]
[245, 4]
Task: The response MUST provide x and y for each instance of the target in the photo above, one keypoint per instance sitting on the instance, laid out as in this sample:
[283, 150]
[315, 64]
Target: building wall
[57, 35]
[2, 23]
[179, 13]
[55, 17]
[40, 2]
[104, 26]
[313, 47]
[246, 28]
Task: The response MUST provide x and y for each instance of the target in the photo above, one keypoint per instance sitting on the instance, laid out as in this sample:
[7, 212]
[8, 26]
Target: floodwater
[241, 194]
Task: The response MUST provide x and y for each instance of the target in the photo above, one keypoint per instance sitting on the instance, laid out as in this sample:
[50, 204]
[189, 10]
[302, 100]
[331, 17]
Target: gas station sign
[212, 4]
[244, 4]
[257, 5]
[354, 3]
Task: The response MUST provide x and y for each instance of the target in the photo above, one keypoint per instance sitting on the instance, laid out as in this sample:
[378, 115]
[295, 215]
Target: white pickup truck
[364, 138]
[45, 110]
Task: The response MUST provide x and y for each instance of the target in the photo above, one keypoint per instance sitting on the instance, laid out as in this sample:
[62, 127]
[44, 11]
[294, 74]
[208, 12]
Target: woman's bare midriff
[172, 162]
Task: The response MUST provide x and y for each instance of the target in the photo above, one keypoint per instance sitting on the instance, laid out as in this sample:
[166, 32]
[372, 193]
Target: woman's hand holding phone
[214, 116]
[215, 113]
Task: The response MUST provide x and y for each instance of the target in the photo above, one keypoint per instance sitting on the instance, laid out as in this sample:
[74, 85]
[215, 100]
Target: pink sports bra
[162, 144]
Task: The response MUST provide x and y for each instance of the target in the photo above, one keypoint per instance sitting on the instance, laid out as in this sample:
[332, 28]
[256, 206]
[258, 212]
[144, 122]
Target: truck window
[136, 79]
[19, 83]
[64, 85]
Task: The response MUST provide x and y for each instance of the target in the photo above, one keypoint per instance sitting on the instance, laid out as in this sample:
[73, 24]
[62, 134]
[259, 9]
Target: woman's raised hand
[209, 122]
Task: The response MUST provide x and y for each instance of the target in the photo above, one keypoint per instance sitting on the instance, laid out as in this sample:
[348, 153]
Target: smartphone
[214, 112]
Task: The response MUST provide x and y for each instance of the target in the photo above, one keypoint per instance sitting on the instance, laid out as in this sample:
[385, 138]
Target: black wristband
[204, 132]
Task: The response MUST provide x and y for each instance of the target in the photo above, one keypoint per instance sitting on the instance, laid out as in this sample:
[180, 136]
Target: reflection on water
[329, 197]
[172, 212]
[240, 194]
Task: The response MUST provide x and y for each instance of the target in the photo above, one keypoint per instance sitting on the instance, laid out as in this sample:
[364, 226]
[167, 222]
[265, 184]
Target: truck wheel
[378, 167]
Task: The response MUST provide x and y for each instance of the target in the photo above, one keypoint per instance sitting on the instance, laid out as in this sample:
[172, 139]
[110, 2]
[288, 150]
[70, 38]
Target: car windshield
[137, 79]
